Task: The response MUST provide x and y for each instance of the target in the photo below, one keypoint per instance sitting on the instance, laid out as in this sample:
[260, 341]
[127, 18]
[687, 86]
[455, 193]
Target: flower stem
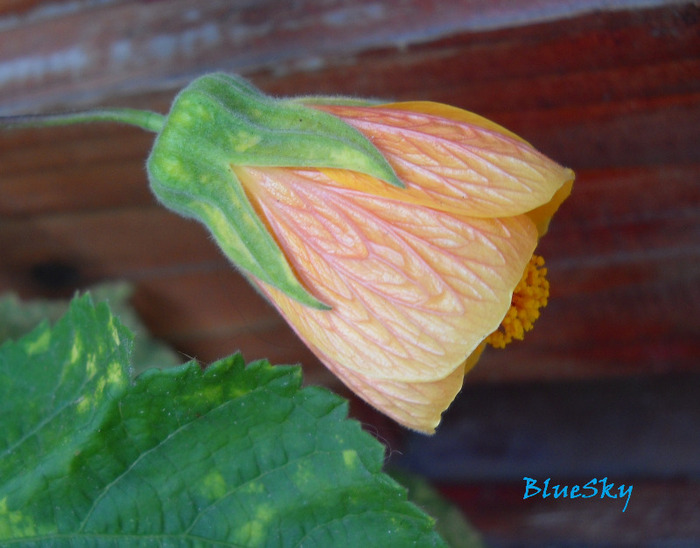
[145, 119]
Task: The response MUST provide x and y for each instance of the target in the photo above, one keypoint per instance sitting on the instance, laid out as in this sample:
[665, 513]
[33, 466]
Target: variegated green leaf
[234, 455]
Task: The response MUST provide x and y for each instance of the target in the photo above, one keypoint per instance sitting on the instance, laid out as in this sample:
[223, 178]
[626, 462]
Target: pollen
[529, 296]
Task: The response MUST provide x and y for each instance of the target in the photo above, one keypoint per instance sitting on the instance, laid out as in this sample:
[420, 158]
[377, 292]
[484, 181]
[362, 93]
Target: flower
[416, 278]
[395, 239]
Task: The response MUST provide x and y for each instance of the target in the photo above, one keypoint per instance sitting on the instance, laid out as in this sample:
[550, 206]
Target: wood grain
[89, 51]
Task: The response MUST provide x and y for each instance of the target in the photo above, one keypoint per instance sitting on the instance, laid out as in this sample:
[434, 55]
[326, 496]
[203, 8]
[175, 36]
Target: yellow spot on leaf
[114, 330]
[40, 344]
[83, 405]
[350, 458]
[76, 351]
[15, 524]
[253, 532]
[91, 366]
[214, 485]
[253, 487]
[304, 474]
[115, 373]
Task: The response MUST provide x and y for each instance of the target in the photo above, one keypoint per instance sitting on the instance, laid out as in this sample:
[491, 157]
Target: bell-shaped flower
[394, 258]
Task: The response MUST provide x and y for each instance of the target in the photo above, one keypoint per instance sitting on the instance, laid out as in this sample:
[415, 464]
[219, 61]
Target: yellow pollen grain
[529, 296]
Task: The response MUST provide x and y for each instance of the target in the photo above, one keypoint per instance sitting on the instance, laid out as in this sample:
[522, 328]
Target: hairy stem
[150, 121]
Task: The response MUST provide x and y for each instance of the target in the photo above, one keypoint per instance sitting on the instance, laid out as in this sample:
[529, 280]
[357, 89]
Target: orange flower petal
[453, 113]
[414, 291]
[453, 160]
[415, 405]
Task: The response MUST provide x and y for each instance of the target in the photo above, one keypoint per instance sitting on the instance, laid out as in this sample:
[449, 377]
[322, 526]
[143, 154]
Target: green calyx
[219, 121]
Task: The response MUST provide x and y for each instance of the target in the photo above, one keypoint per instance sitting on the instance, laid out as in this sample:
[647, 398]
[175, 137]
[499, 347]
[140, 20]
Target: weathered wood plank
[85, 55]
[134, 243]
[601, 58]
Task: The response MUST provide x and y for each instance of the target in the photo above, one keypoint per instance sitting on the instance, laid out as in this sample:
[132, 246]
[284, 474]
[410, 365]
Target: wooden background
[609, 88]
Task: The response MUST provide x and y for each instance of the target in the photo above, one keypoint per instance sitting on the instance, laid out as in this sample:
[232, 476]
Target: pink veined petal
[475, 169]
[413, 291]
[418, 406]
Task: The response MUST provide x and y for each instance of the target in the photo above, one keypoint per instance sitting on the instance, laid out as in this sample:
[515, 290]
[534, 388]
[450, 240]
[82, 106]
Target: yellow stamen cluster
[529, 296]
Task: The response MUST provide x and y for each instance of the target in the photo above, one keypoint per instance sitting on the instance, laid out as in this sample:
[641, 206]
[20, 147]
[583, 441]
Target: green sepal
[340, 100]
[219, 121]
